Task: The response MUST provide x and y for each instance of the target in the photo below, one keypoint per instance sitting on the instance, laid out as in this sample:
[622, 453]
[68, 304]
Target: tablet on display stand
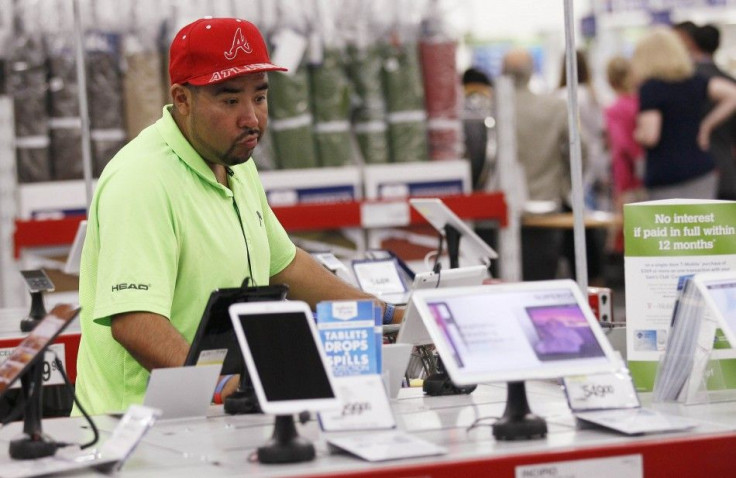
[512, 333]
[412, 329]
[289, 370]
[719, 292]
[74, 259]
[453, 229]
[215, 341]
[25, 363]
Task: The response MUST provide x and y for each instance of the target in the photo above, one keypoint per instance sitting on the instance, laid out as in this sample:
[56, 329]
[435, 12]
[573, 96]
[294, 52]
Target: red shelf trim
[301, 217]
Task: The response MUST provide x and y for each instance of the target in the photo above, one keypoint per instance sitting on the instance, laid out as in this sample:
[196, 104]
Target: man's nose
[247, 117]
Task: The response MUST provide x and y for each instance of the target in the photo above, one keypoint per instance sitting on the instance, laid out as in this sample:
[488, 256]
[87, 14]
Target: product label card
[600, 391]
[365, 405]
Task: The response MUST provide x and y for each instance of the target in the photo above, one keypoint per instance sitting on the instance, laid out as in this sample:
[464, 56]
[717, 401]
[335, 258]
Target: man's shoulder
[146, 153]
[543, 103]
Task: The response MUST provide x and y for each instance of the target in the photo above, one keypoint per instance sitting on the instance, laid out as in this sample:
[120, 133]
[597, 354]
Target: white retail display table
[221, 445]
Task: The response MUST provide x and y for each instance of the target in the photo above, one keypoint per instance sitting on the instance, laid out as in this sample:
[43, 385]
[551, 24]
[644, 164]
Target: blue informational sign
[351, 332]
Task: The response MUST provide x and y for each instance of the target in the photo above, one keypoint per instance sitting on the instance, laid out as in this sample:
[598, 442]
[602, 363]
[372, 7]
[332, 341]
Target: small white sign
[289, 48]
[385, 214]
[630, 466]
[601, 391]
[379, 277]
[365, 405]
[389, 445]
[329, 260]
[212, 357]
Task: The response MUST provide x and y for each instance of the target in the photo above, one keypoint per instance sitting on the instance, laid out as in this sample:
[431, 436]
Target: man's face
[226, 120]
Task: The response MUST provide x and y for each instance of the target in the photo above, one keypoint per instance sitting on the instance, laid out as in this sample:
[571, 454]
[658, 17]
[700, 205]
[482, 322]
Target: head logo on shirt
[131, 285]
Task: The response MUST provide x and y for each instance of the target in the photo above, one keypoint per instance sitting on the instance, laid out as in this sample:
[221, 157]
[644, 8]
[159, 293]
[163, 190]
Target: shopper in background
[542, 146]
[477, 111]
[627, 157]
[706, 40]
[596, 176]
[179, 212]
[669, 125]
[686, 31]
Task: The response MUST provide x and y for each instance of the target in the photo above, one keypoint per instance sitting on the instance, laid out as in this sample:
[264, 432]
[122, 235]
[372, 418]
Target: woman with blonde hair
[669, 125]
[627, 155]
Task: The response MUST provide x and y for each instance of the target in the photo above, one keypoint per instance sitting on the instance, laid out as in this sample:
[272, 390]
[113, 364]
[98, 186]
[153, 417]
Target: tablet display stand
[286, 446]
[518, 422]
[216, 329]
[243, 400]
[511, 333]
[439, 382]
[33, 444]
[37, 282]
[25, 362]
[287, 378]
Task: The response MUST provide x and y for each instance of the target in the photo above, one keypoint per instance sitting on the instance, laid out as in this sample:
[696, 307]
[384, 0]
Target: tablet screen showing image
[280, 343]
[562, 333]
[719, 291]
[31, 348]
[510, 332]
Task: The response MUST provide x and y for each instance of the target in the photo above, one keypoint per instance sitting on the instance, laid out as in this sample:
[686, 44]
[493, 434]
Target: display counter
[223, 445]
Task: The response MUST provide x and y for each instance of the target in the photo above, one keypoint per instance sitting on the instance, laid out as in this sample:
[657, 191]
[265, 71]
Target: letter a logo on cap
[239, 43]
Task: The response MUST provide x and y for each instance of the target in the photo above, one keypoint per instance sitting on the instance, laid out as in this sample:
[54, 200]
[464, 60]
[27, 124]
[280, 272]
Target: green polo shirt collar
[173, 136]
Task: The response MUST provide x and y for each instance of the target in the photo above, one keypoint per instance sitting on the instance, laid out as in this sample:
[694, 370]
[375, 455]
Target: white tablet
[514, 332]
[719, 292]
[412, 329]
[472, 247]
[74, 259]
[284, 355]
[459, 277]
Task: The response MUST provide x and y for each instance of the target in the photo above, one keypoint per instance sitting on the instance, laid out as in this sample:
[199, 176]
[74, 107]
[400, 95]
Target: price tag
[631, 466]
[212, 357]
[601, 391]
[365, 405]
[50, 374]
[379, 277]
[385, 214]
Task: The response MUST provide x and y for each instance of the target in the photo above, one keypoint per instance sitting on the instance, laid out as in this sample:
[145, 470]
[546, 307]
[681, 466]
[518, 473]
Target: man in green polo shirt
[180, 211]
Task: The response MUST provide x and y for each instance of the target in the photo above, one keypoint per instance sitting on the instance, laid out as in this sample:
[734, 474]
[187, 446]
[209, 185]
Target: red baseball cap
[212, 50]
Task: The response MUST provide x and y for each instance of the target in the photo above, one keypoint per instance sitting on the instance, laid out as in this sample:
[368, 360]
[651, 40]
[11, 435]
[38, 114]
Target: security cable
[92, 425]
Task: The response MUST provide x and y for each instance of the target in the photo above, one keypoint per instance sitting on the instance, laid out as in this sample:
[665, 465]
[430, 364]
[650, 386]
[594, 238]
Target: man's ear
[182, 98]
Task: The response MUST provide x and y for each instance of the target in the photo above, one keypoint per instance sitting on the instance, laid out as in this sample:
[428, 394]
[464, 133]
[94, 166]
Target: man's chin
[237, 161]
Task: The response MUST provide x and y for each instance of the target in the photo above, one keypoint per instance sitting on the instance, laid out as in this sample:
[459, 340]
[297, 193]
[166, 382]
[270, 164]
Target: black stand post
[286, 446]
[518, 422]
[38, 312]
[32, 444]
[243, 400]
[453, 236]
[439, 383]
